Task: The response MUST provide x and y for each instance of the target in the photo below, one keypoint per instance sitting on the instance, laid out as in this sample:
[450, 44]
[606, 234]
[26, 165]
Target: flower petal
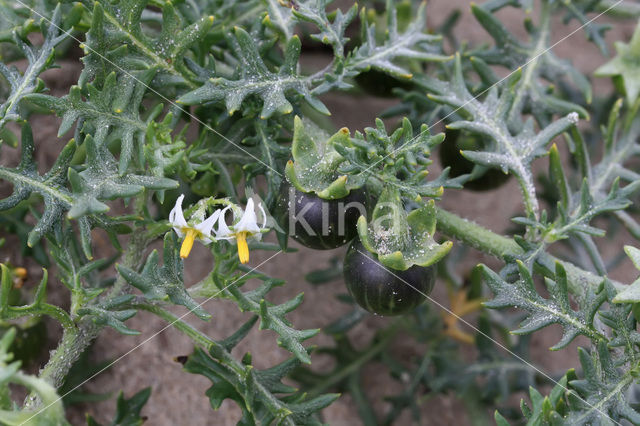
[223, 231]
[206, 226]
[249, 221]
[264, 216]
[176, 217]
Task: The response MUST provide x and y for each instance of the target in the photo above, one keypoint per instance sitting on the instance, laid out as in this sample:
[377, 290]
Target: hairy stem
[476, 236]
[73, 343]
[77, 338]
[71, 346]
[487, 241]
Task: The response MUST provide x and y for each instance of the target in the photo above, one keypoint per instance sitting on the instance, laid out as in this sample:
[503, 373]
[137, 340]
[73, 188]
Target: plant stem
[476, 236]
[42, 309]
[72, 345]
[74, 342]
[355, 365]
[139, 241]
[249, 382]
[197, 336]
[76, 338]
[487, 241]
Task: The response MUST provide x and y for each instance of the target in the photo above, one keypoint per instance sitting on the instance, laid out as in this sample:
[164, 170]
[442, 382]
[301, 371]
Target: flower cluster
[245, 228]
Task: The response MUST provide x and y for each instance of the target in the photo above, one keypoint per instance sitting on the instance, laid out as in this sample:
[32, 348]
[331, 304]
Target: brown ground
[178, 397]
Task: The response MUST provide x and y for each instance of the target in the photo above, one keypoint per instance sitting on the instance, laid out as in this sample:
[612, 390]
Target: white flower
[201, 231]
[246, 227]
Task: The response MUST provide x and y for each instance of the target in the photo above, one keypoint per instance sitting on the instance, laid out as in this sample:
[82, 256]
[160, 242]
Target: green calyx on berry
[314, 168]
[402, 239]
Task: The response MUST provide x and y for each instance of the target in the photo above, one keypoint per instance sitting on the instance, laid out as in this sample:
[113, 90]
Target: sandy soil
[178, 397]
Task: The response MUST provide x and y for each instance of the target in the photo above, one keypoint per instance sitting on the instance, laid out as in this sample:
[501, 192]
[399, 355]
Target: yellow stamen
[243, 248]
[187, 244]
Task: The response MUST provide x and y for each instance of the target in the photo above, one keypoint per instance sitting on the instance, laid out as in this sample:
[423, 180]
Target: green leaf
[26, 180]
[620, 319]
[110, 313]
[102, 181]
[538, 64]
[117, 41]
[390, 55]
[500, 420]
[558, 177]
[331, 30]
[547, 410]
[600, 395]
[110, 112]
[39, 60]
[164, 283]
[543, 312]
[255, 390]
[513, 153]
[254, 78]
[99, 181]
[280, 19]
[625, 66]
[223, 282]
[127, 410]
[412, 44]
[575, 219]
[594, 29]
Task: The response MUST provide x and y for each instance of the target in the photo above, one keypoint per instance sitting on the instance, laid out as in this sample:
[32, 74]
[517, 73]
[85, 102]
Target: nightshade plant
[186, 110]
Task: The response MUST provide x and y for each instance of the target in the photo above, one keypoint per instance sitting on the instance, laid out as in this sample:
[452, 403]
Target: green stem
[74, 342]
[41, 309]
[356, 364]
[215, 349]
[487, 241]
[197, 336]
[139, 241]
[533, 61]
[476, 236]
